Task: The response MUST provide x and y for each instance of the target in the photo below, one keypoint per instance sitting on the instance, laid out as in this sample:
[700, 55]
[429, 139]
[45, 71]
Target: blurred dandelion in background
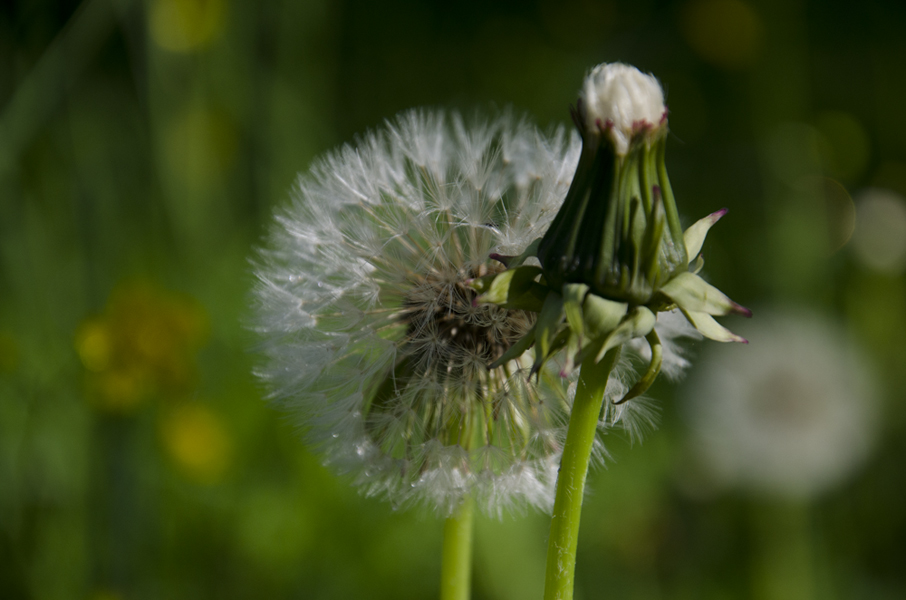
[792, 420]
[793, 417]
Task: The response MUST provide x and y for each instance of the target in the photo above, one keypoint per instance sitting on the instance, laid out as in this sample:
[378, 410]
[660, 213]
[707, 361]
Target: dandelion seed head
[372, 340]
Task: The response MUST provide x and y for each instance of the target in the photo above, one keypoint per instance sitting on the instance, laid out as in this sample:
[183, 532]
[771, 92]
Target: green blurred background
[143, 146]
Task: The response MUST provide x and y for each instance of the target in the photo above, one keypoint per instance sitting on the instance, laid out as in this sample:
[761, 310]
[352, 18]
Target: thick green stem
[580, 437]
[456, 565]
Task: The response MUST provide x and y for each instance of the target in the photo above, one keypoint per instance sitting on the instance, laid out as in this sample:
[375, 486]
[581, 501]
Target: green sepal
[483, 284]
[654, 233]
[512, 289]
[573, 298]
[677, 251]
[698, 265]
[711, 329]
[637, 323]
[573, 348]
[548, 325]
[654, 368]
[694, 236]
[636, 242]
[691, 292]
[559, 341]
[516, 350]
[601, 315]
[533, 299]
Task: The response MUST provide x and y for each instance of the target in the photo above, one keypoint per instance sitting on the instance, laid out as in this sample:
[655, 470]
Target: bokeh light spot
[725, 33]
[195, 438]
[879, 241]
[793, 414]
[121, 391]
[93, 346]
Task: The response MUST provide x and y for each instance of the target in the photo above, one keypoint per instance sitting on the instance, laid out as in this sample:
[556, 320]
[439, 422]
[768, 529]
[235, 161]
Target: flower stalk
[456, 557]
[580, 437]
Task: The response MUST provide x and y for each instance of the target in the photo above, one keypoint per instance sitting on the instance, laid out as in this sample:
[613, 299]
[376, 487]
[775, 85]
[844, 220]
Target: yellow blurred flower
[93, 345]
[196, 439]
[143, 345]
[185, 25]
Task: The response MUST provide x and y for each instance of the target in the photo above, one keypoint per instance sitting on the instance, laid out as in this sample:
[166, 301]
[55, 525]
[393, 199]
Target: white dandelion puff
[371, 337]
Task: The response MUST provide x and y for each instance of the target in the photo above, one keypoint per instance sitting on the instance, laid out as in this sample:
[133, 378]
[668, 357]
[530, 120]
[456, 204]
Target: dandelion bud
[615, 255]
[622, 103]
[618, 230]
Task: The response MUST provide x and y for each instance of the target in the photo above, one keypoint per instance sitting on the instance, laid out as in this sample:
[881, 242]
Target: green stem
[456, 565]
[580, 437]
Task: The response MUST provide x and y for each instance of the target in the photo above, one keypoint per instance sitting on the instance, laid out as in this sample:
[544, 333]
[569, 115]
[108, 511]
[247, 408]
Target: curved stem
[456, 565]
[580, 437]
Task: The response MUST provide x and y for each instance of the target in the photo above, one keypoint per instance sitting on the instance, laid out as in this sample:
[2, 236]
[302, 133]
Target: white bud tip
[621, 101]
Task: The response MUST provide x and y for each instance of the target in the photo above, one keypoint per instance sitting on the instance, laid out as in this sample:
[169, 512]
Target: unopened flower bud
[618, 230]
[623, 103]
[615, 255]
